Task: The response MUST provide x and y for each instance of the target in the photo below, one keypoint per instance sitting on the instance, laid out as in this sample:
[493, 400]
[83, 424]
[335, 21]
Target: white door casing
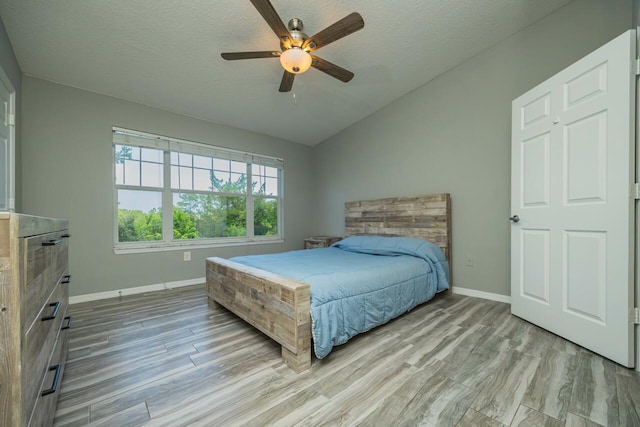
[7, 143]
[572, 169]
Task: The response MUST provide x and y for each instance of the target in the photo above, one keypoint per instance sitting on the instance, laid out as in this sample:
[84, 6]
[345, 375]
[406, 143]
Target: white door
[572, 171]
[7, 135]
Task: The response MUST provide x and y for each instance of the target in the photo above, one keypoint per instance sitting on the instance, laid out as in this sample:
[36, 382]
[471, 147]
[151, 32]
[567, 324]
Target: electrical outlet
[468, 261]
[187, 256]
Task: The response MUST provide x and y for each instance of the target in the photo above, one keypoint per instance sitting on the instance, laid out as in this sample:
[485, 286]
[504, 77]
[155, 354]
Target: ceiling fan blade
[230, 56]
[347, 25]
[287, 82]
[332, 69]
[270, 15]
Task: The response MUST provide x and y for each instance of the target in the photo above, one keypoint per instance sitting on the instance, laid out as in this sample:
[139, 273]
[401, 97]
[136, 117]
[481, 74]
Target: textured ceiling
[166, 54]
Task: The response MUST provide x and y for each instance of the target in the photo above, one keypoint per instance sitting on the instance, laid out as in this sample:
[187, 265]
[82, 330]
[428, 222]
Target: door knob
[515, 218]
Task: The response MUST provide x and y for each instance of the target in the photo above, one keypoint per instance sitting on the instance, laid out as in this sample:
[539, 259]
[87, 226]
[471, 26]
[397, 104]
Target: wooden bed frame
[280, 307]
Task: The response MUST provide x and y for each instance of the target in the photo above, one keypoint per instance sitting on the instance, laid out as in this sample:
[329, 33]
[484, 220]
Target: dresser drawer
[40, 341]
[45, 406]
[46, 260]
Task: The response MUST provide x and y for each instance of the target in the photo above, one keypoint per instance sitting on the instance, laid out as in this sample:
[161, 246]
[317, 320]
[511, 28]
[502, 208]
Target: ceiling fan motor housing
[297, 35]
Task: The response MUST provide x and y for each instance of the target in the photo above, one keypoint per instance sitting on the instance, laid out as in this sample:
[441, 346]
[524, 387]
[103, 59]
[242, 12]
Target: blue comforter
[360, 282]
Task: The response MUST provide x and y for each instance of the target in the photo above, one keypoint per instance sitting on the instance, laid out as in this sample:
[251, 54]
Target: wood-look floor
[167, 359]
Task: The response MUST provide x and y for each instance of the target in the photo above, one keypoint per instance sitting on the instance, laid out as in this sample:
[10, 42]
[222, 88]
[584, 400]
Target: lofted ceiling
[166, 54]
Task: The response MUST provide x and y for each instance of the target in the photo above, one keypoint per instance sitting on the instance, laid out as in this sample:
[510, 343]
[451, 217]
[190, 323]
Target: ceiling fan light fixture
[295, 60]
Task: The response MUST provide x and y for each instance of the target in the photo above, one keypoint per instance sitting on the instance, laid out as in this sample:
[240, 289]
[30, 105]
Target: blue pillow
[395, 246]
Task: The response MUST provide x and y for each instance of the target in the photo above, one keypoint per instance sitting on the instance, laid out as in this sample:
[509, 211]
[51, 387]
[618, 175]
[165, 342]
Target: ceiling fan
[296, 46]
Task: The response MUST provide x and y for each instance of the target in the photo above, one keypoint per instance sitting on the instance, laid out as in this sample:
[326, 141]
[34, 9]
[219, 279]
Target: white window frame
[122, 136]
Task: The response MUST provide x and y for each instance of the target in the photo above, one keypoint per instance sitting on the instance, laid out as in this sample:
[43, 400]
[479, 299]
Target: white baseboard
[481, 294]
[132, 291]
[170, 285]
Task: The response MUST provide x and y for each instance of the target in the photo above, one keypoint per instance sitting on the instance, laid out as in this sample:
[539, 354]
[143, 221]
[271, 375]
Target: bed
[281, 306]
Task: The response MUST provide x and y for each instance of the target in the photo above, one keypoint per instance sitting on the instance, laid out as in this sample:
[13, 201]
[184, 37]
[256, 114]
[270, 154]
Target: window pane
[131, 172]
[271, 187]
[221, 179]
[265, 217]
[151, 155]
[175, 182]
[221, 165]
[202, 162]
[269, 171]
[185, 159]
[239, 182]
[185, 179]
[152, 175]
[239, 167]
[139, 215]
[273, 172]
[120, 173]
[201, 216]
[202, 179]
[174, 158]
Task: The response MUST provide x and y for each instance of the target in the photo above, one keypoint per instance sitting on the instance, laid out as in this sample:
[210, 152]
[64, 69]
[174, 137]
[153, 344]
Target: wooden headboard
[427, 217]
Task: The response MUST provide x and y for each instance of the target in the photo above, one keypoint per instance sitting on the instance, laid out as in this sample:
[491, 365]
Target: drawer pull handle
[66, 236]
[56, 307]
[51, 242]
[68, 325]
[56, 377]
[66, 278]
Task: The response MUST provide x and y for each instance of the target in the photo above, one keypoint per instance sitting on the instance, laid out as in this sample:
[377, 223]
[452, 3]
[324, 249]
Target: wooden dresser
[34, 297]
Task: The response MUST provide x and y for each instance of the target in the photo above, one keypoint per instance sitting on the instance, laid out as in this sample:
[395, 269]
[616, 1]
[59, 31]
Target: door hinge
[636, 316]
[635, 191]
[12, 119]
[637, 66]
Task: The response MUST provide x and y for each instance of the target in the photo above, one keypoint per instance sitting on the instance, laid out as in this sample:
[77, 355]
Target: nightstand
[320, 241]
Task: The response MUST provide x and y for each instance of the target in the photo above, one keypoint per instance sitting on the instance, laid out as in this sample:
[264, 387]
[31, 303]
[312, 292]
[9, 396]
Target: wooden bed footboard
[276, 305]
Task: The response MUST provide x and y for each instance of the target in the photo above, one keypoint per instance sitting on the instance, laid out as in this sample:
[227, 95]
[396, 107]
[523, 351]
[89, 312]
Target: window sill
[190, 244]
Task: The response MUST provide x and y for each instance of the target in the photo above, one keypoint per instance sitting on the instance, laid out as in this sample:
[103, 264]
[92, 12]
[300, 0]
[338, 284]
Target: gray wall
[10, 66]
[67, 173]
[453, 135]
